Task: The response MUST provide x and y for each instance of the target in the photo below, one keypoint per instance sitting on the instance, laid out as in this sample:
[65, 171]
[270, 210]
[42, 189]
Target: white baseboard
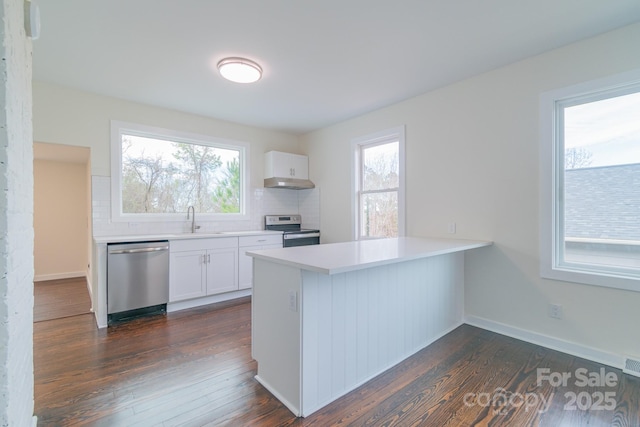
[574, 349]
[196, 302]
[57, 276]
[90, 290]
[295, 410]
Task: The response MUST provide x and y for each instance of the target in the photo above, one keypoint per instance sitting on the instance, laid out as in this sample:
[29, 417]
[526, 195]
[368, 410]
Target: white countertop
[336, 258]
[180, 236]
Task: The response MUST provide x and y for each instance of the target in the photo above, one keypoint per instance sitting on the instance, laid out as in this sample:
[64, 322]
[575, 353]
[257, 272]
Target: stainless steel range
[294, 234]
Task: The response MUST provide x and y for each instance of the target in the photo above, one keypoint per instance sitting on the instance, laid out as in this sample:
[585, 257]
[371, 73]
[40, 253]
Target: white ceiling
[324, 61]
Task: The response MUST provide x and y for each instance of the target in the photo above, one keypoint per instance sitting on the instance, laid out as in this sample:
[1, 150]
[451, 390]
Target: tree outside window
[161, 176]
[379, 195]
[379, 184]
[157, 174]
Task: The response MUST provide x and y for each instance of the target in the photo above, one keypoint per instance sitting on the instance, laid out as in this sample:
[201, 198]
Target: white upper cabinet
[285, 165]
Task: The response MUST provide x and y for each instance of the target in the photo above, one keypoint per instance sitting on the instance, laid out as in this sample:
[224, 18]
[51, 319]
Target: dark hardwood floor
[194, 368]
[54, 299]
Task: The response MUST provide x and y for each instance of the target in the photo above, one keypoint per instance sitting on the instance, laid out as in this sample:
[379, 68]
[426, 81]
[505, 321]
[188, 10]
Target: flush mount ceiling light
[240, 70]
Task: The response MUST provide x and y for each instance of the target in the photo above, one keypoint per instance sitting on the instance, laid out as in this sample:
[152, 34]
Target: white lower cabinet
[188, 275]
[201, 267]
[222, 270]
[245, 263]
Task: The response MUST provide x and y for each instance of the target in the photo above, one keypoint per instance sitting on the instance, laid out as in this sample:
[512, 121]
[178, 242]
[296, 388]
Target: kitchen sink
[213, 233]
[239, 233]
[220, 233]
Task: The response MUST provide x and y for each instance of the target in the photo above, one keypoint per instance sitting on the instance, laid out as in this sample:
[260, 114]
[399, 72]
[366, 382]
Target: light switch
[452, 228]
[293, 301]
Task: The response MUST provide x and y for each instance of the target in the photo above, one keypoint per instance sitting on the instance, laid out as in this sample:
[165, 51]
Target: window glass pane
[379, 213]
[380, 166]
[160, 176]
[602, 183]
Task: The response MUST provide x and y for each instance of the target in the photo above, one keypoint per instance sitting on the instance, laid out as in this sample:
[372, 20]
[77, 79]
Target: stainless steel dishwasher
[137, 279]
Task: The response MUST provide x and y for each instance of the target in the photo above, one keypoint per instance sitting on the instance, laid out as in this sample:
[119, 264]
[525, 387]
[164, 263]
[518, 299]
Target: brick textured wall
[16, 219]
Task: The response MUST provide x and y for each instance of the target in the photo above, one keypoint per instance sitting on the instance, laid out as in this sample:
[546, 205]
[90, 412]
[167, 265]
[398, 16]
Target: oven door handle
[300, 235]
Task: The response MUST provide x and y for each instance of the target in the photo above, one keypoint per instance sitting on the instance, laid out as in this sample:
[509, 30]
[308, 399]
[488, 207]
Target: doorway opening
[62, 230]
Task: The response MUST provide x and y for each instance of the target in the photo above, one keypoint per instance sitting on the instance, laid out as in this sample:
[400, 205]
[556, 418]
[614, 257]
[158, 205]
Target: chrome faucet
[194, 227]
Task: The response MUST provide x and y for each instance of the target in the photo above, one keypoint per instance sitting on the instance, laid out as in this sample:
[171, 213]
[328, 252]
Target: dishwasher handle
[138, 250]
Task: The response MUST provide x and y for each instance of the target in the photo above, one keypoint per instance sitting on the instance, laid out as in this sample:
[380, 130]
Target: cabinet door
[275, 165]
[188, 275]
[286, 165]
[222, 270]
[299, 166]
[245, 264]
[245, 267]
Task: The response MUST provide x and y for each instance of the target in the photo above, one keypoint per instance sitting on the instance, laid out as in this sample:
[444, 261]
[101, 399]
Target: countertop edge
[462, 245]
[289, 263]
[179, 236]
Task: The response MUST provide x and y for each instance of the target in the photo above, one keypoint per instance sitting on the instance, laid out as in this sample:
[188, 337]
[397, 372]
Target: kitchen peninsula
[327, 318]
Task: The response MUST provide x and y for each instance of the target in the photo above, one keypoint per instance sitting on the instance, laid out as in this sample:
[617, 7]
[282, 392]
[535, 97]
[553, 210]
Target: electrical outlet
[452, 228]
[555, 311]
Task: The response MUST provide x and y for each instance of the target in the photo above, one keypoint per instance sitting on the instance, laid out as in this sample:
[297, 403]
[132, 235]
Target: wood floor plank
[194, 368]
[627, 397]
[423, 390]
[60, 298]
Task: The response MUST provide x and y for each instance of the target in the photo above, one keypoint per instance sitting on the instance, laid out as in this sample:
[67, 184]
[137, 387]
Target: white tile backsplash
[309, 207]
[279, 201]
[262, 201]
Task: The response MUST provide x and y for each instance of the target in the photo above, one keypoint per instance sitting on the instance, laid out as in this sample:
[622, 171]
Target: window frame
[118, 128]
[378, 138]
[551, 172]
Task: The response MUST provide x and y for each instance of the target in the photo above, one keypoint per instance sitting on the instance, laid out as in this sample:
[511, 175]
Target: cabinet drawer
[259, 240]
[203, 244]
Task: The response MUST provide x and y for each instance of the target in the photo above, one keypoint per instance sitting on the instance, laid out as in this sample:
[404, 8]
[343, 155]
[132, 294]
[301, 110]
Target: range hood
[286, 170]
[289, 183]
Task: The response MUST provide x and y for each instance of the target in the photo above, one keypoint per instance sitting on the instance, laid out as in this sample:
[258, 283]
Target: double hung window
[379, 184]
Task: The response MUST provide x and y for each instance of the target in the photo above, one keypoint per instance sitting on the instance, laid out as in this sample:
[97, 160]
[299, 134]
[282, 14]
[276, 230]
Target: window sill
[607, 280]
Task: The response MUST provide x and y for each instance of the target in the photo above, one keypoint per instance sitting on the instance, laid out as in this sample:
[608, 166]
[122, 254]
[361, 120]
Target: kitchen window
[378, 181]
[156, 174]
[590, 183]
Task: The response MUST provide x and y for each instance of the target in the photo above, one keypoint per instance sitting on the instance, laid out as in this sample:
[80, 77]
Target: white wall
[68, 116]
[60, 221]
[16, 219]
[472, 158]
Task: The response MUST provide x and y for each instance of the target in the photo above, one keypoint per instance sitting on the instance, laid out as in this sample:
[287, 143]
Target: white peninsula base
[324, 328]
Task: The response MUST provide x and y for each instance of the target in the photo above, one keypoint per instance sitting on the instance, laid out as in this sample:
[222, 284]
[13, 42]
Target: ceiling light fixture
[239, 70]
